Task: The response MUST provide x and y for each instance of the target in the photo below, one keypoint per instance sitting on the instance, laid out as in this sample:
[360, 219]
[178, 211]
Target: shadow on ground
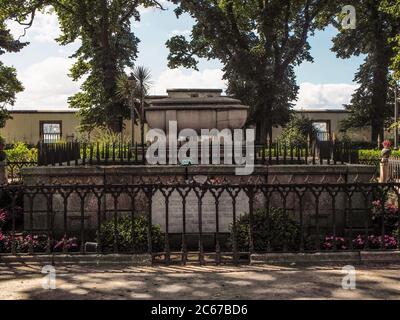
[24, 281]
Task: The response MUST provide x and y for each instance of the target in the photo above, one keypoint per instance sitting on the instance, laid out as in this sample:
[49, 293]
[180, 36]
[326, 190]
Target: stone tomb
[126, 175]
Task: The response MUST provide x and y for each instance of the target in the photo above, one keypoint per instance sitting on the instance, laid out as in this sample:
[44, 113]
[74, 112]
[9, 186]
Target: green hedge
[275, 227]
[20, 152]
[374, 154]
[127, 242]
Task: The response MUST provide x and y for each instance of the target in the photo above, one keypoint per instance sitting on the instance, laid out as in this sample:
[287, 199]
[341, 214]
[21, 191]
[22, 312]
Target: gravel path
[24, 281]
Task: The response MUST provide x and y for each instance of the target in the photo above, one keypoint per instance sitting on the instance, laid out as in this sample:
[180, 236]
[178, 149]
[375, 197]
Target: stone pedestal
[384, 171]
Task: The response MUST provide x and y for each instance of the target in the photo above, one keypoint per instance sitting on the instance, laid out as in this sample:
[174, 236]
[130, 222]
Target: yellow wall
[335, 117]
[25, 126]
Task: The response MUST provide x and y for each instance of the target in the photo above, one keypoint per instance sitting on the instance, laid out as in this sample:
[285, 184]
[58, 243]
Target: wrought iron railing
[394, 169]
[13, 170]
[58, 153]
[211, 219]
[75, 153]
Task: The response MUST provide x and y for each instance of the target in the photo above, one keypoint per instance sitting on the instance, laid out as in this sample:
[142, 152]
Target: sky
[43, 65]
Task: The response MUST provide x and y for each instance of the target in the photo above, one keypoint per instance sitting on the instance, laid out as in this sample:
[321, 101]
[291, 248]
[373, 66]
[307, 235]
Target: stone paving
[24, 281]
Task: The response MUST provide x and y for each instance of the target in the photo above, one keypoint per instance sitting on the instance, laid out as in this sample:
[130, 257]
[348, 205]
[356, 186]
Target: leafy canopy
[259, 44]
[392, 7]
[9, 84]
[107, 47]
[371, 104]
[298, 131]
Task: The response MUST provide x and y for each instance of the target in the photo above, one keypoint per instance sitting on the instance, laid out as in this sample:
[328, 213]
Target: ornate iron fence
[14, 170]
[58, 153]
[394, 169]
[213, 220]
[277, 152]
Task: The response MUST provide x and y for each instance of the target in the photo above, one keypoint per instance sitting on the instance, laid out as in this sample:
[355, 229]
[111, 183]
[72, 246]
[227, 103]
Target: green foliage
[108, 47]
[133, 90]
[371, 104]
[9, 84]
[392, 7]
[126, 242]
[102, 136]
[275, 227]
[298, 131]
[20, 152]
[373, 157]
[369, 154]
[258, 42]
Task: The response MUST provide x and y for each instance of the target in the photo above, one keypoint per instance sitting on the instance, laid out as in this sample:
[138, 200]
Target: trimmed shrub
[277, 228]
[297, 131]
[20, 152]
[365, 154]
[126, 242]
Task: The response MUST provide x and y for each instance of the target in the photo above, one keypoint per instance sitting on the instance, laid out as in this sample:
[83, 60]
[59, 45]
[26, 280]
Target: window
[50, 131]
[323, 130]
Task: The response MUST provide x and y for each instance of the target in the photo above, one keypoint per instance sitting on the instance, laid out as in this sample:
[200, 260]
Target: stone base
[355, 257]
[97, 259]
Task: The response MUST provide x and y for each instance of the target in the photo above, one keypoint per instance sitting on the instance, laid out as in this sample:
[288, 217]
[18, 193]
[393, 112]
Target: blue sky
[43, 65]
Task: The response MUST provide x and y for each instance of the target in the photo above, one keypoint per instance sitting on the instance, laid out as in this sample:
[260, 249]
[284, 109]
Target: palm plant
[134, 90]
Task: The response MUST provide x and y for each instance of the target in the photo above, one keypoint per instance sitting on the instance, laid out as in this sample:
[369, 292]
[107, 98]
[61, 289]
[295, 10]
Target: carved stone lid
[196, 98]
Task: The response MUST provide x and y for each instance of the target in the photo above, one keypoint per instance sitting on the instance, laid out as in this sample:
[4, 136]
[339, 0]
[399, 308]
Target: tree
[298, 131]
[108, 46]
[134, 90]
[9, 84]
[259, 44]
[369, 105]
[392, 7]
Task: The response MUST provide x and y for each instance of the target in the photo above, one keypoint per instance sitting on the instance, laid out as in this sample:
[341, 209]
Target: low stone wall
[40, 206]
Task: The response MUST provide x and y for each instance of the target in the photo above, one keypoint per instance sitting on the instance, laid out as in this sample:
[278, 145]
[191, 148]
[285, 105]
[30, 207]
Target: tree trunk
[115, 125]
[377, 133]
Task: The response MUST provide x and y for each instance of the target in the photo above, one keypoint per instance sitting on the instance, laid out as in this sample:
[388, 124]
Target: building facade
[32, 126]
[328, 122]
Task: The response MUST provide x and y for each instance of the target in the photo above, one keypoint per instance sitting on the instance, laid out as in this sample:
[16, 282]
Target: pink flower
[3, 215]
[387, 144]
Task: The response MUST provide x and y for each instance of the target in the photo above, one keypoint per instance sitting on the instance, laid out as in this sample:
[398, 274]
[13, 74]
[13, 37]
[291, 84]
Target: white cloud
[47, 85]
[324, 96]
[45, 29]
[181, 78]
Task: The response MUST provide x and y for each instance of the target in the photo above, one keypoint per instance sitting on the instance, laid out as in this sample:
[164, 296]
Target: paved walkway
[195, 282]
